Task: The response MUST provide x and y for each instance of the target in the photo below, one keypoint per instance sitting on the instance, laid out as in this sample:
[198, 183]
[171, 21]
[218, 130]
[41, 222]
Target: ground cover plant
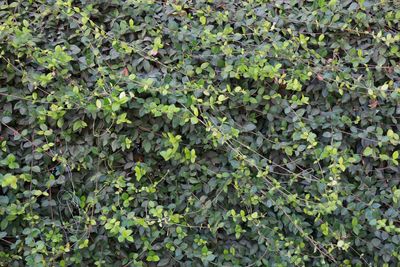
[199, 133]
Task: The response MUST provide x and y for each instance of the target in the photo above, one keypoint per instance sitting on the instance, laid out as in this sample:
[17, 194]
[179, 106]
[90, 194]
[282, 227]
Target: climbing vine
[199, 133]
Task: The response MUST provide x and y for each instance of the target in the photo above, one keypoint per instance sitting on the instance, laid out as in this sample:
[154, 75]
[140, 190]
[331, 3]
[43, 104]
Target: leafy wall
[199, 133]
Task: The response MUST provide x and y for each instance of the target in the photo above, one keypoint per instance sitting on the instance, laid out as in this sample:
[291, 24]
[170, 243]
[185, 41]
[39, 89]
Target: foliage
[199, 133]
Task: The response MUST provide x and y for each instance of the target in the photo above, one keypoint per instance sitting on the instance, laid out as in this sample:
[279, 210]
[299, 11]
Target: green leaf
[6, 119]
[139, 172]
[115, 106]
[248, 127]
[35, 169]
[8, 180]
[146, 146]
[167, 154]
[152, 257]
[367, 151]
[98, 103]
[325, 228]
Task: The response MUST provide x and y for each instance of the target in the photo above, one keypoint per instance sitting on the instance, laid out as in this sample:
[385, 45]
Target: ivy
[199, 133]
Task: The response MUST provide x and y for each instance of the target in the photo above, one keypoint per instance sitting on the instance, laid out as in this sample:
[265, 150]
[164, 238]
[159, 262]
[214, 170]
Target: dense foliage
[199, 133]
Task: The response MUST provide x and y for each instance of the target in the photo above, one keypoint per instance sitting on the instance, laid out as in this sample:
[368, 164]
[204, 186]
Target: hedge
[199, 133]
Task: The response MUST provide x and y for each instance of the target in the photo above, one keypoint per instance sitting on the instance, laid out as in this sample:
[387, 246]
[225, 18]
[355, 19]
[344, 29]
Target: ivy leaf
[367, 151]
[248, 127]
[8, 180]
[325, 228]
[146, 146]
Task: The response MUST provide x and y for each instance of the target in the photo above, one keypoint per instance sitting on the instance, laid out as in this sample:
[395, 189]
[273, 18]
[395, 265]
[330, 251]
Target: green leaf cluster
[199, 133]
